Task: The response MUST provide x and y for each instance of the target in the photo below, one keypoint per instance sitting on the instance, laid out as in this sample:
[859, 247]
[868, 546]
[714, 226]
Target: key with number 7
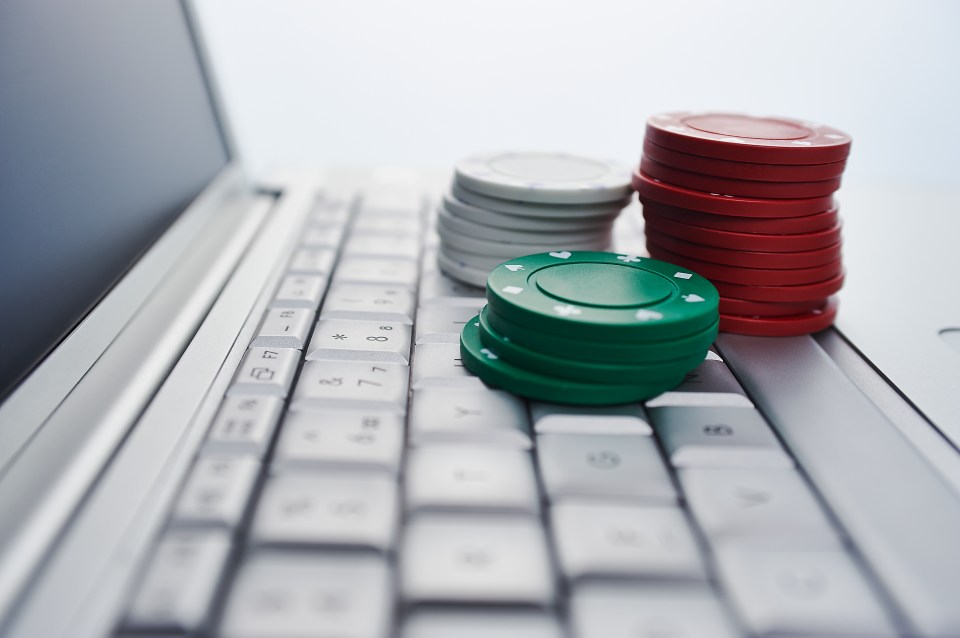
[352, 384]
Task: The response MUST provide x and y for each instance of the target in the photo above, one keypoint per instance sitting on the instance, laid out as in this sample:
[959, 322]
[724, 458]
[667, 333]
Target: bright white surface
[427, 82]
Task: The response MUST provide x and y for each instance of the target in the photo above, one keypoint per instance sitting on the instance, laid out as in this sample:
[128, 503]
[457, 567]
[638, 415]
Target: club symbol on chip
[489, 355]
[628, 259]
[692, 298]
[512, 290]
[561, 254]
[648, 315]
[567, 310]
[513, 267]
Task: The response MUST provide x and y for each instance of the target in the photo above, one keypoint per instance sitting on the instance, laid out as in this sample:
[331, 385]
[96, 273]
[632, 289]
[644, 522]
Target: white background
[423, 83]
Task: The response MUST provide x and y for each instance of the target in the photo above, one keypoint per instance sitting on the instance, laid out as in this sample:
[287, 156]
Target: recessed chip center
[603, 284]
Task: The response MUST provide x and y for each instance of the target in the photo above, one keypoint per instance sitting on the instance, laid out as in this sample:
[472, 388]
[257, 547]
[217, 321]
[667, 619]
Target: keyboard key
[442, 323]
[602, 466]
[322, 235]
[313, 261]
[550, 418]
[494, 623]
[326, 439]
[300, 291]
[266, 371]
[244, 425]
[378, 245]
[327, 511]
[373, 270]
[718, 437]
[710, 384]
[756, 507]
[808, 593]
[360, 341]
[177, 591]
[458, 478]
[437, 288]
[217, 491]
[331, 212]
[610, 610]
[391, 199]
[369, 302]
[284, 328]
[387, 224]
[440, 365]
[309, 595]
[625, 541]
[352, 385]
[473, 559]
[474, 416]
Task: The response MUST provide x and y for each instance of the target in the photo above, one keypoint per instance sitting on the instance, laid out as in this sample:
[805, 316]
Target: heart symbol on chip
[513, 267]
[647, 315]
[563, 254]
[692, 298]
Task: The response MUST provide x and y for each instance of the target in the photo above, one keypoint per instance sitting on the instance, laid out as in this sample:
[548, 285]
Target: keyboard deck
[358, 481]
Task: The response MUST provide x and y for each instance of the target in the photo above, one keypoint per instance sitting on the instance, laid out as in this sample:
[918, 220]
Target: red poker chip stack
[747, 202]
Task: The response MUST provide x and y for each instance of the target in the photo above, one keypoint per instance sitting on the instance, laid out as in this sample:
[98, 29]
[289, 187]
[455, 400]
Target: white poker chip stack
[507, 205]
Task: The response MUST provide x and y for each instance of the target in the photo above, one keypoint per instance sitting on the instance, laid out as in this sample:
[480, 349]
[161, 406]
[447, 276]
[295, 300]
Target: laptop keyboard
[358, 481]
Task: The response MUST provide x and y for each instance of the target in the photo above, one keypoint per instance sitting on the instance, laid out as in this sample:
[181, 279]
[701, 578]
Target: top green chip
[602, 296]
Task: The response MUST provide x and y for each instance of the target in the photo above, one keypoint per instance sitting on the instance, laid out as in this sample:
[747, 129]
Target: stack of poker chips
[748, 203]
[590, 328]
[504, 205]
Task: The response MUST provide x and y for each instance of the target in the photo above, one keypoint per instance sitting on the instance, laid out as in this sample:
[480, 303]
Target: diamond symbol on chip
[513, 290]
[693, 298]
[628, 259]
[648, 315]
[562, 254]
[567, 310]
[682, 275]
[486, 352]
[513, 267]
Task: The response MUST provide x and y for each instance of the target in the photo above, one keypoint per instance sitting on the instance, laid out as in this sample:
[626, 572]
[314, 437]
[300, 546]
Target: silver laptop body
[135, 499]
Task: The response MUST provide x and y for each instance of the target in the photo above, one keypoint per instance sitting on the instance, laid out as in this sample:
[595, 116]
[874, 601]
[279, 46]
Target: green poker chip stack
[590, 328]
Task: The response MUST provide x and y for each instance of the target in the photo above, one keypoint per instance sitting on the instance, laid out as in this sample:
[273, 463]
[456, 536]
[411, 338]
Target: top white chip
[547, 178]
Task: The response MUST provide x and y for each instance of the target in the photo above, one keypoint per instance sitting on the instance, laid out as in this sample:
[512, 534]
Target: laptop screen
[107, 131]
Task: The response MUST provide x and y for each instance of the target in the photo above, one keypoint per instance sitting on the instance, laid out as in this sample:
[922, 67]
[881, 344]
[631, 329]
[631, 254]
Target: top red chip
[744, 138]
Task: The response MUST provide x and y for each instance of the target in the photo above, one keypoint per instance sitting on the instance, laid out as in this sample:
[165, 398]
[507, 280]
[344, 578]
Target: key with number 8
[360, 341]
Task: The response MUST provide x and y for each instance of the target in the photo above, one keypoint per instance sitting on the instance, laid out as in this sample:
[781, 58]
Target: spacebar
[898, 512]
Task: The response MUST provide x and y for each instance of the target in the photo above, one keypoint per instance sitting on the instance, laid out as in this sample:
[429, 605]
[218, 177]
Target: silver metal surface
[614, 541]
[475, 559]
[327, 510]
[606, 467]
[306, 595]
[913, 259]
[467, 415]
[469, 478]
[86, 577]
[52, 474]
[717, 437]
[900, 514]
